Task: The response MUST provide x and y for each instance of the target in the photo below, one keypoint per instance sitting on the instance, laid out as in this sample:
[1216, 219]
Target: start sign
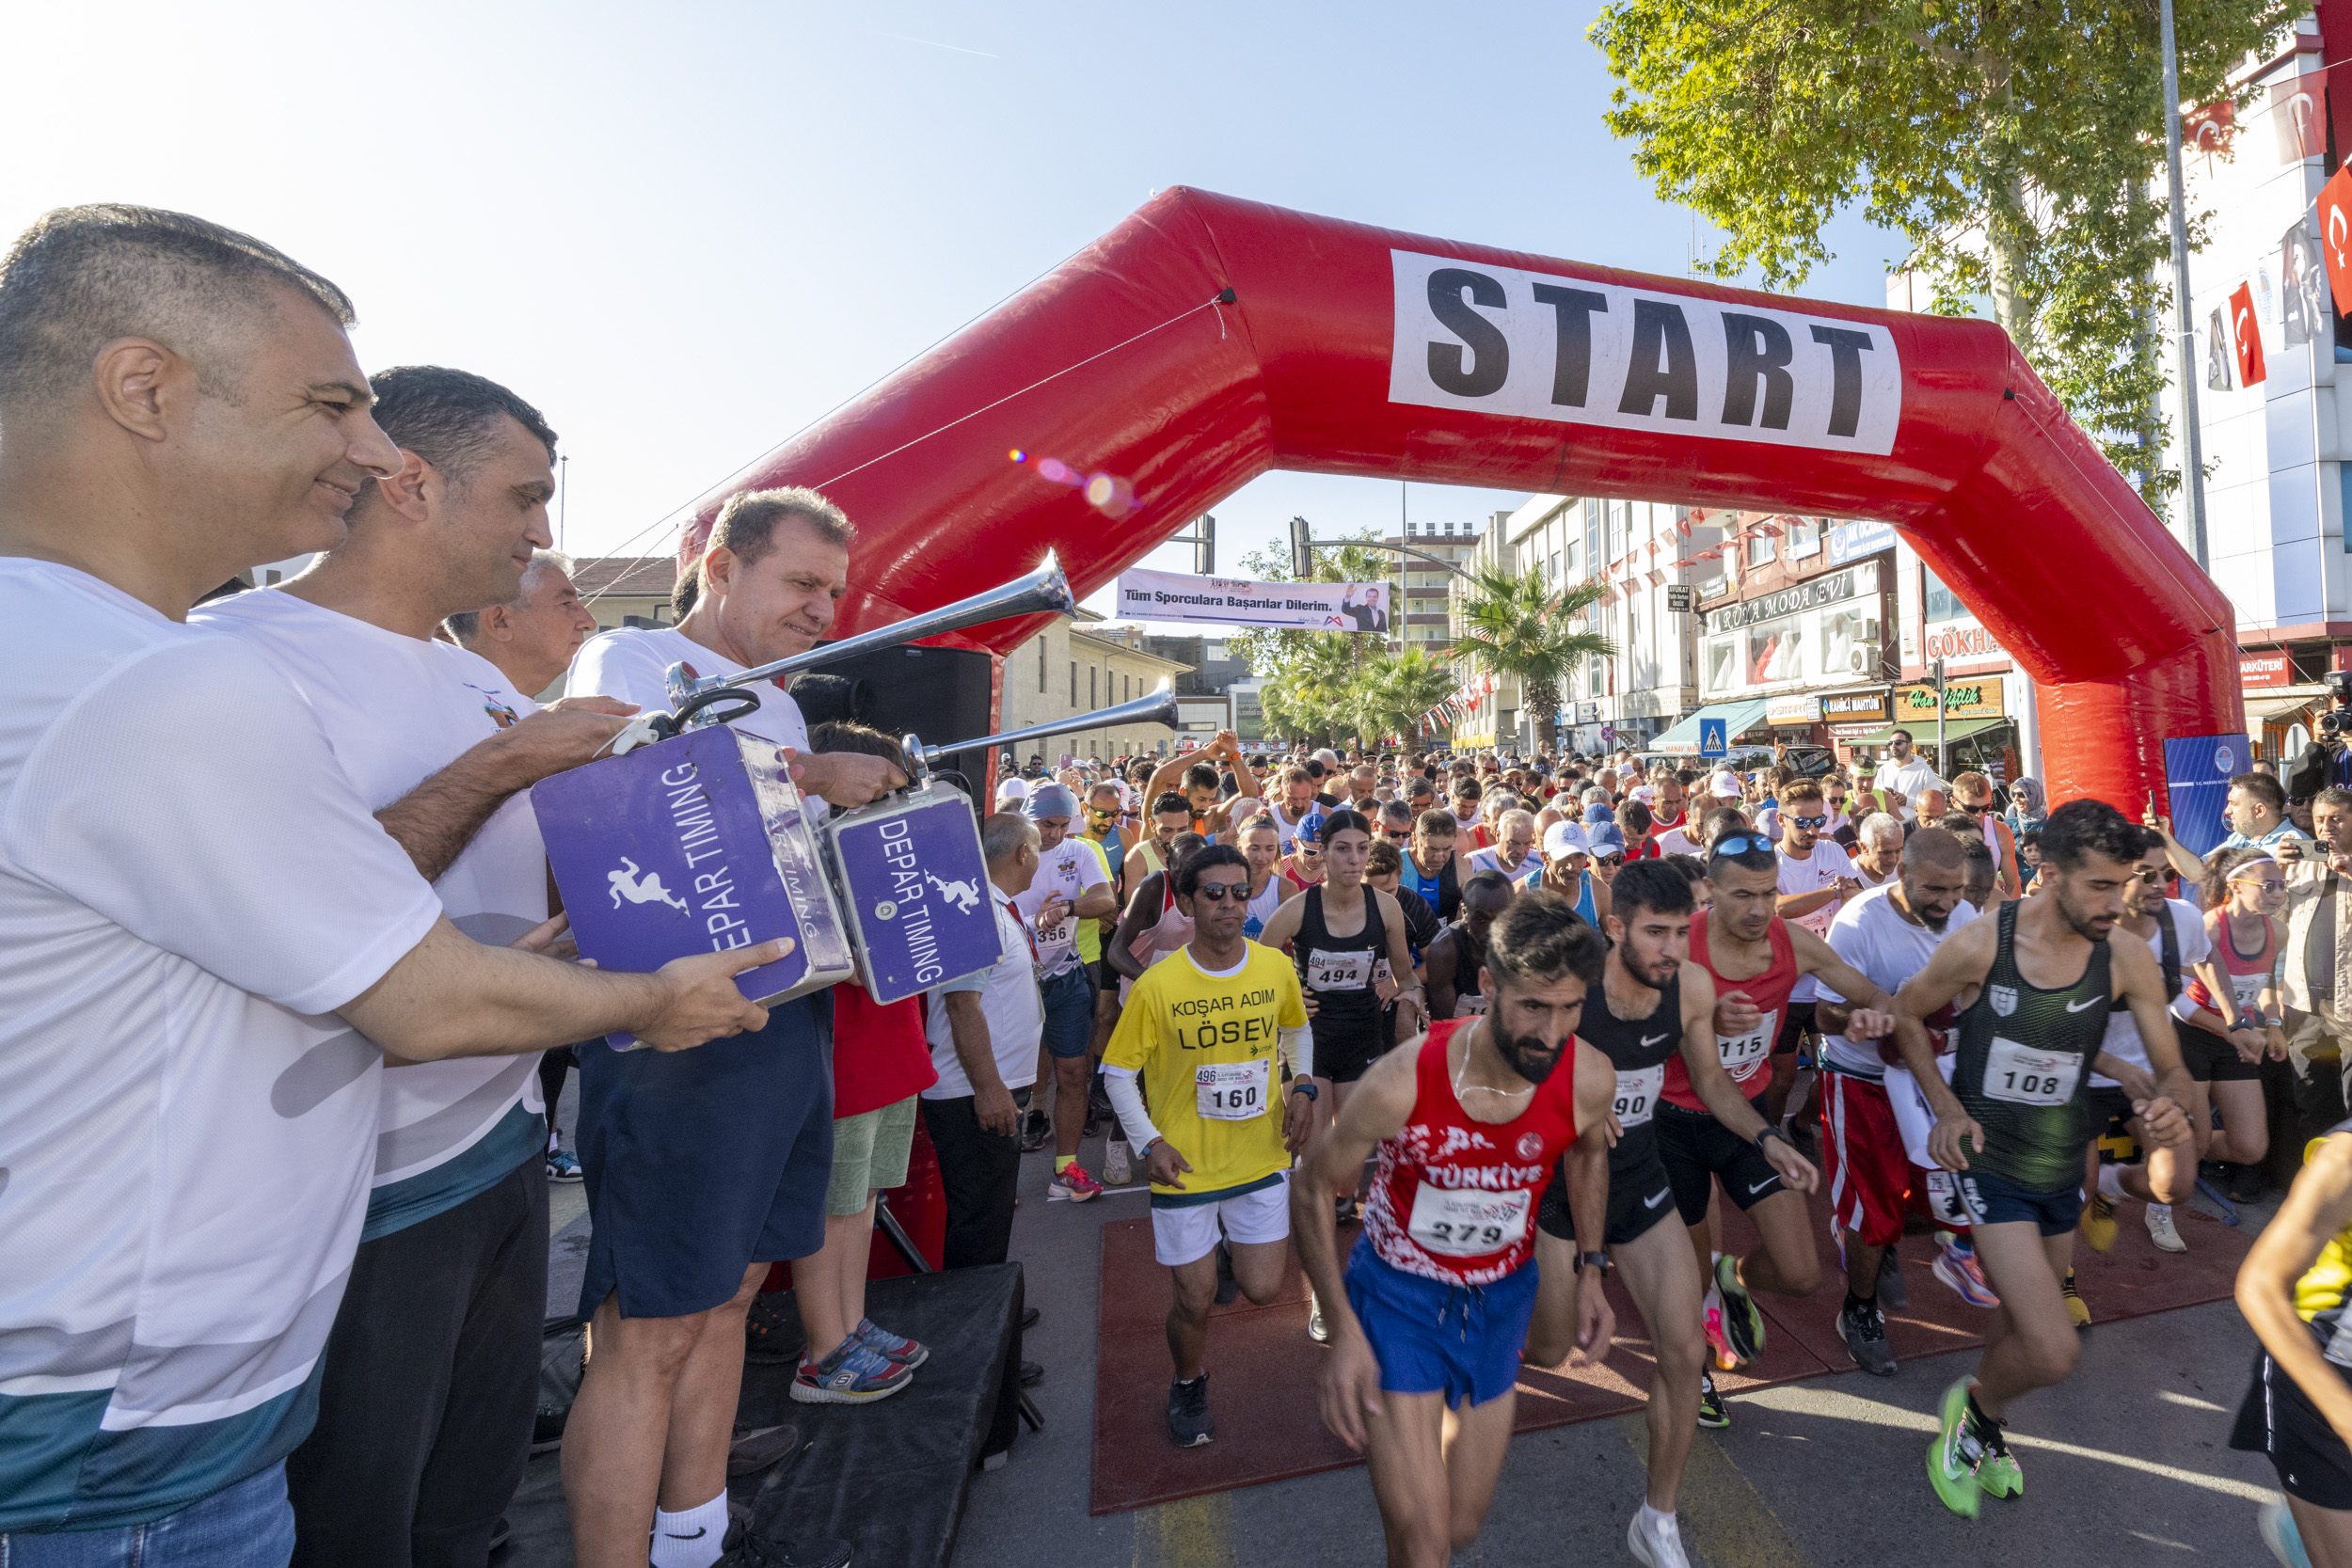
[1543, 346]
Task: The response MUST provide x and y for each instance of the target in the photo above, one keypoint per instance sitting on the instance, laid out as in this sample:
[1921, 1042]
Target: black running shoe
[1894, 1291]
[1189, 1422]
[1712, 1410]
[757, 1550]
[1037, 1131]
[772, 1336]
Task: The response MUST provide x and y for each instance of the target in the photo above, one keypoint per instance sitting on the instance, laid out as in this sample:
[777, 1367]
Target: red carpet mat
[1262, 1369]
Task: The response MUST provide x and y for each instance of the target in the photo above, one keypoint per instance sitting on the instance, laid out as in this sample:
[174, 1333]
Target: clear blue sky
[686, 231]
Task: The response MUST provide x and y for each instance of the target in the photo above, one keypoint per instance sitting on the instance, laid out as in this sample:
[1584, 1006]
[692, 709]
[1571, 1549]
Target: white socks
[690, 1539]
[1660, 1521]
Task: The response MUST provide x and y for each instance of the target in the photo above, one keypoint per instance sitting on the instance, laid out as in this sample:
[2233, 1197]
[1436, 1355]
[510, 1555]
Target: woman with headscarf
[2026, 808]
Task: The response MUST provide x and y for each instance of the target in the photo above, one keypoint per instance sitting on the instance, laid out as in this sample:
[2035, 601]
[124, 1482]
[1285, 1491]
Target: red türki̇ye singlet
[1454, 1199]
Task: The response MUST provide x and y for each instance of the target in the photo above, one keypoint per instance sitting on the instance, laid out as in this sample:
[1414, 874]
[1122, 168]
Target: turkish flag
[2335, 236]
[2247, 334]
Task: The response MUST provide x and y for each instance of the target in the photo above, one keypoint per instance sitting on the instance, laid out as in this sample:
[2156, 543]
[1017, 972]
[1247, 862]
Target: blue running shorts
[1433, 1339]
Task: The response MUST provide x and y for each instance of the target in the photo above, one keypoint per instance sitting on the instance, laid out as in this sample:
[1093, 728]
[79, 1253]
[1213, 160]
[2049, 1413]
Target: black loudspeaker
[941, 694]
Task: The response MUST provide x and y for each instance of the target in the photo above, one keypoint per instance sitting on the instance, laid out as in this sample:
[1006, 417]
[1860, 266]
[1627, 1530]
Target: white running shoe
[1116, 1170]
[2160, 1228]
[1657, 1545]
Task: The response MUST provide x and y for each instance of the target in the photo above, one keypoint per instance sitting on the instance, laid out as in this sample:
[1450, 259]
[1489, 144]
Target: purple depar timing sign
[692, 845]
[914, 885]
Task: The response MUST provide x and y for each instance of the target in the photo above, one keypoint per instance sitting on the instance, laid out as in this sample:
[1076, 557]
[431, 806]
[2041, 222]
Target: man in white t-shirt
[1905, 773]
[984, 1031]
[433, 1367]
[213, 942]
[704, 1170]
[1873, 1177]
[1071, 885]
[1878, 850]
[1816, 878]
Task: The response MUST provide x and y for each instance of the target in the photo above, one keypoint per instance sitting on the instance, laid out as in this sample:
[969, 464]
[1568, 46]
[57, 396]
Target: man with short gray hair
[533, 637]
[1878, 850]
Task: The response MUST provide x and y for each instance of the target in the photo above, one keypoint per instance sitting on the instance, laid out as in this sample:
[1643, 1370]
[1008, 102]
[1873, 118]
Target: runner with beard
[1888, 933]
[1710, 1128]
[1653, 1005]
[2034, 982]
[1429, 1318]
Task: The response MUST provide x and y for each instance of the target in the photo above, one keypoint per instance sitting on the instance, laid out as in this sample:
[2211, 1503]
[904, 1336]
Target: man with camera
[2326, 762]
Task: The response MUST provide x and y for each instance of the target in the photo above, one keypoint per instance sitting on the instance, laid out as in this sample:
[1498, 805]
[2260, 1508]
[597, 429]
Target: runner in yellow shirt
[1207, 1030]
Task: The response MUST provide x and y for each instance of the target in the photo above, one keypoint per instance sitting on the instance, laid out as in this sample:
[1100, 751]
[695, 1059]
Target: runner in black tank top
[2010, 1123]
[1337, 971]
[1646, 974]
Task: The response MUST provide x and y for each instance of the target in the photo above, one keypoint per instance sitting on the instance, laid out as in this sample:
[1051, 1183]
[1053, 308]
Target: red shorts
[1862, 1166]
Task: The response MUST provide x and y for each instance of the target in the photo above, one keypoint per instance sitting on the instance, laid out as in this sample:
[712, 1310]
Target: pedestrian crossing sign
[1711, 740]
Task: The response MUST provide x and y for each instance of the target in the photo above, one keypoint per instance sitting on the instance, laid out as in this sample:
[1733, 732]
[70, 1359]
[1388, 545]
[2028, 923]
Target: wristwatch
[1770, 1130]
[1593, 1260]
[1307, 1087]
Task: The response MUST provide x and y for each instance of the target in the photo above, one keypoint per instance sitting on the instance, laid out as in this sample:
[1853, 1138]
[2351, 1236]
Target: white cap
[1562, 839]
[1011, 790]
[1726, 783]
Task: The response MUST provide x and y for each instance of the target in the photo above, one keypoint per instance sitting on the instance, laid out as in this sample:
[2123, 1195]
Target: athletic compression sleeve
[1120, 1083]
[1298, 1048]
[2184, 1007]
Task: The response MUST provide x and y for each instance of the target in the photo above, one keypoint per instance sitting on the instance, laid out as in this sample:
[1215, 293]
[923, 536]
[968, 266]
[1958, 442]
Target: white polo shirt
[397, 710]
[188, 887]
[1009, 1002]
[632, 663]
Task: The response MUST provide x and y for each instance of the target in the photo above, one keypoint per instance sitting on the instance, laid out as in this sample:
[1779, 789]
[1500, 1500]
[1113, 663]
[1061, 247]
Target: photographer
[2326, 762]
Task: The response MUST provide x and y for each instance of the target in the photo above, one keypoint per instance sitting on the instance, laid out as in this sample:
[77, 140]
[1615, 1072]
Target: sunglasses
[1101, 813]
[1216, 893]
[1837, 803]
[1394, 837]
[1977, 810]
[1307, 852]
[1612, 859]
[2150, 874]
[1808, 823]
[1739, 844]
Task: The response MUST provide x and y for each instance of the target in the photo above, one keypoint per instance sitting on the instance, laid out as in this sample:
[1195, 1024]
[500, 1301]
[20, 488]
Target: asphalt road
[2127, 1463]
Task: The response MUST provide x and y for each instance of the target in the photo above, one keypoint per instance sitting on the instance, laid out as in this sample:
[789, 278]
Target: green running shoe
[1744, 1321]
[1997, 1471]
[1952, 1455]
[1713, 1412]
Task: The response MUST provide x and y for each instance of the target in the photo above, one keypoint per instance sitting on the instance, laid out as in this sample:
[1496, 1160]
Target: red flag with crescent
[2335, 236]
[2247, 334]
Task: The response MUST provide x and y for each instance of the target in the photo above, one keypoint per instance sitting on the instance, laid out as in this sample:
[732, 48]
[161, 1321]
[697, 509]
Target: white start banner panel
[1538, 345]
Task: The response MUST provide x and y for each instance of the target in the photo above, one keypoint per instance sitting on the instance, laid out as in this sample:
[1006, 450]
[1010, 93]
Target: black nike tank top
[2024, 1061]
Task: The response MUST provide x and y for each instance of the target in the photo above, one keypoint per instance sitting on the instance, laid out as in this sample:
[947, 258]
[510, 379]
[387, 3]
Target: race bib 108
[2025, 1077]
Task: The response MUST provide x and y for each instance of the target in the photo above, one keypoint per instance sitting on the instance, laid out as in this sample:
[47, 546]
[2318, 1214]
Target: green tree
[1310, 674]
[2013, 145]
[1518, 625]
[1394, 690]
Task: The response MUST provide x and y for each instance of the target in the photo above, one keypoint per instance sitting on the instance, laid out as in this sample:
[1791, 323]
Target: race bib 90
[2024, 1077]
[1466, 1222]
[1637, 1094]
[1231, 1091]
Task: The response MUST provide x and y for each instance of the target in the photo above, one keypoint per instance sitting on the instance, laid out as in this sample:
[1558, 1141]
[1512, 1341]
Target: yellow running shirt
[1205, 1049]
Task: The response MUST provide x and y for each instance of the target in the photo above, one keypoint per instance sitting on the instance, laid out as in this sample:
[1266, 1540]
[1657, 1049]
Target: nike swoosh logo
[2078, 1006]
[1654, 1202]
[1761, 1185]
[696, 1536]
[1653, 1039]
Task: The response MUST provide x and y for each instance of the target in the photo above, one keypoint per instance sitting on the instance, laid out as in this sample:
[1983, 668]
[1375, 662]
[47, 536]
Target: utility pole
[1942, 763]
[2192, 444]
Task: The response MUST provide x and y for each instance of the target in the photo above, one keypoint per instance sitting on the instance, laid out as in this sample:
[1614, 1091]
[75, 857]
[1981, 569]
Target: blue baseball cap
[1599, 811]
[1311, 828]
[1607, 839]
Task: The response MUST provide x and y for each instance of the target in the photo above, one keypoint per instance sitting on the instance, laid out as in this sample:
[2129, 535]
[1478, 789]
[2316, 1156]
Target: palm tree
[1521, 625]
[1395, 689]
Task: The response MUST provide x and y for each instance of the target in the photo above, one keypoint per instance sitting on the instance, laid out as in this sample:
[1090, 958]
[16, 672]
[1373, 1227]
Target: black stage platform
[888, 1477]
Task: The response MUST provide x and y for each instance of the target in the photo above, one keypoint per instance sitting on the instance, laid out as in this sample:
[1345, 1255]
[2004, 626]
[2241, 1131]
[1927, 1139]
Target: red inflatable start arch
[1208, 339]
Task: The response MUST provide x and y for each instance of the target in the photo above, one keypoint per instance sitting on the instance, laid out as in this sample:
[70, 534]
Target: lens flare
[1018, 455]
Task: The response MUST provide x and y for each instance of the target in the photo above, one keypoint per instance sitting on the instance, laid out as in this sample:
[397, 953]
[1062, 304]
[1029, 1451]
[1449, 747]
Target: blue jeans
[248, 1525]
[1068, 1002]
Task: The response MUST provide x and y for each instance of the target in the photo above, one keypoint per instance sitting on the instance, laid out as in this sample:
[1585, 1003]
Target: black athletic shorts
[1638, 1197]
[1794, 1027]
[2211, 1060]
[1696, 1148]
[2278, 1418]
[1345, 1054]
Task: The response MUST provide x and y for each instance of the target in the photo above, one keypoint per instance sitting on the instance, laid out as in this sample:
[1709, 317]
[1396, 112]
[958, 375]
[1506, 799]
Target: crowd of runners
[1517, 1021]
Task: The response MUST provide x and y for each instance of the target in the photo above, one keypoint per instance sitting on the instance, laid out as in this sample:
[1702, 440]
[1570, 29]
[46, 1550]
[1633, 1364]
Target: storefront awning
[1924, 731]
[2280, 701]
[1683, 740]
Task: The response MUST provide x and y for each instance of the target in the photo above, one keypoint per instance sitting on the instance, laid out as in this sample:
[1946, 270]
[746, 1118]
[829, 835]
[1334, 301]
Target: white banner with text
[1147, 596]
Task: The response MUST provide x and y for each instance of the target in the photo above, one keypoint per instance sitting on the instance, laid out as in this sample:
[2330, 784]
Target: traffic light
[1205, 546]
[1302, 551]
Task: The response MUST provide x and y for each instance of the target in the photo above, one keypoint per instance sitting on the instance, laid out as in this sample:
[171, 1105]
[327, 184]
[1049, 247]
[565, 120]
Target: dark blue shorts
[1434, 1338]
[1993, 1200]
[702, 1162]
[1068, 999]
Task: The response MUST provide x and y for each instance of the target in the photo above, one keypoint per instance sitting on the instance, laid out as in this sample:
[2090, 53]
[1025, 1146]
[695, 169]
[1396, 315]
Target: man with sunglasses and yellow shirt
[1207, 1030]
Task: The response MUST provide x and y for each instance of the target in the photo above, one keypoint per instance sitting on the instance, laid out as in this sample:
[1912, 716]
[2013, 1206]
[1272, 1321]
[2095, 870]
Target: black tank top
[1338, 970]
[2024, 1061]
[1639, 1048]
[1465, 963]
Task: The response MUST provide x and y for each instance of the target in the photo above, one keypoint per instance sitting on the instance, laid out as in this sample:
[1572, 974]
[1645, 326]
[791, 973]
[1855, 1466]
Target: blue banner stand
[2196, 771]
